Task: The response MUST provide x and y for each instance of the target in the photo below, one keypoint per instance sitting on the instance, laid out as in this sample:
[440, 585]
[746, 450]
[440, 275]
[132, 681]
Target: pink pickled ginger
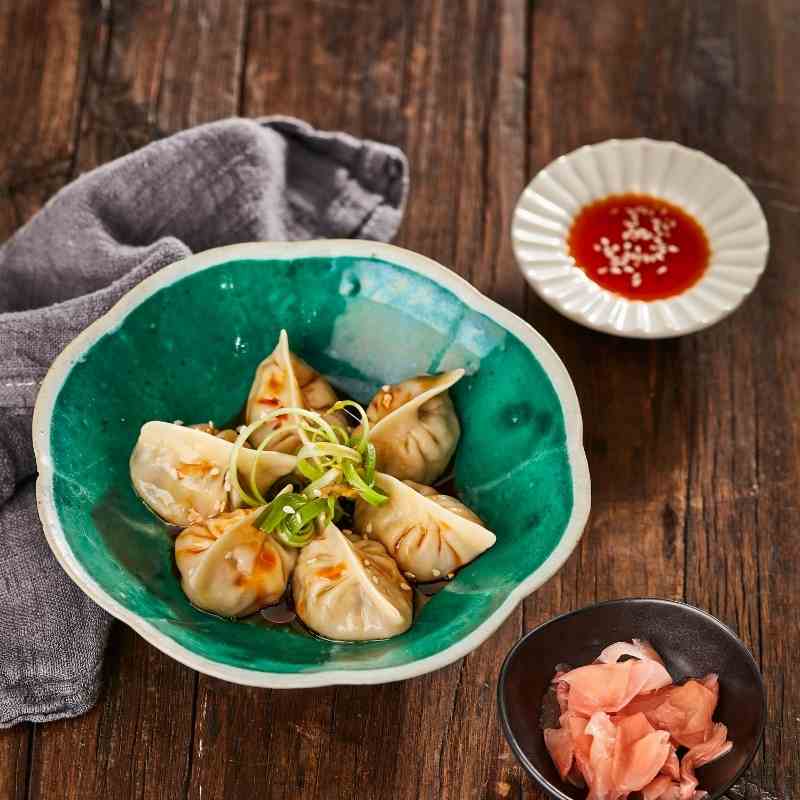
[626, 728]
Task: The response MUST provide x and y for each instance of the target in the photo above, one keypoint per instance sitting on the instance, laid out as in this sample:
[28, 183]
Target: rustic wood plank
[588, 82]
[775, 506]
[15, 753]
[133, 743]
[40, 89]
[356, 58]
[126, 65]
[137, 741]
[744, 471]
[40, 86]
[202, 76]
[371, 72]
[702, 499]
[683, 501]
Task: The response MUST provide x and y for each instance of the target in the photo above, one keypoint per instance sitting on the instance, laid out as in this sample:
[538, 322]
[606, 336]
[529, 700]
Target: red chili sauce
[638, 246]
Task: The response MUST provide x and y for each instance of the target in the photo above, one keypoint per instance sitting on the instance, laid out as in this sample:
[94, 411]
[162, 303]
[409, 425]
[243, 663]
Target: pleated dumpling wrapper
[350, 589]
[181, 473]
[430, 535]
[230, 567]
[283, 380]
[415, 429]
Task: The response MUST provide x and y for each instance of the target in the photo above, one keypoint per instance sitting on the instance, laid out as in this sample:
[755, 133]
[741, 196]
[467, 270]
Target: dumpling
[181, 472]
[415, 429]
[350, 590]
[230, 567]
[284, 380]
[228, 434]
[429, 535]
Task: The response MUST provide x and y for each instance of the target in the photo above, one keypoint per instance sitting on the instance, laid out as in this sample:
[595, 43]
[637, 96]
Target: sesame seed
[287, 510]
[366, 562]
[214, 471]
[436, 573]
[368, 527]
[385, 387]
[661, 271]
[405, 587]
[450, 575]
[410, 575]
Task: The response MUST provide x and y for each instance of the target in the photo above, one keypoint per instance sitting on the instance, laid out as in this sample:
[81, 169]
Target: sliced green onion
[342, 434]
[254, 468]
[367, 492]
[244, 435]
[370, 459]
[321, 449]
[328, 454]
[331, 476]
[359, 442]
[308, 470]
[290, 517]
[309, 512]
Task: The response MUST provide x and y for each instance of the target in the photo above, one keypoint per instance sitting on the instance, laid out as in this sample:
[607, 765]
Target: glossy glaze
[189, 351]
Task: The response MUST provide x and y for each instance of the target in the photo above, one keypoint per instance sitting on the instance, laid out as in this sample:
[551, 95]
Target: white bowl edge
[556, 372]
[693, 310]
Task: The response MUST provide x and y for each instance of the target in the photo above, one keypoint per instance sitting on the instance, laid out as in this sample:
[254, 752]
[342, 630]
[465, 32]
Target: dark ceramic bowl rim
[522, 757]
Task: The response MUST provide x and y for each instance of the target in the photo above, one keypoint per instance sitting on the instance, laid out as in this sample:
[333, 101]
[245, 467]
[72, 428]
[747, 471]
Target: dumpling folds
[181, 472]
[230, 567]
[350, 590]
[283, 380]
[415, 429]
[429, 535]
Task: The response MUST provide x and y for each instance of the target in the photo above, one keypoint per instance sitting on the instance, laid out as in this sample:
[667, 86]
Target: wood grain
[333, 742]
[137, 741]
[693, 444]
[40, 87]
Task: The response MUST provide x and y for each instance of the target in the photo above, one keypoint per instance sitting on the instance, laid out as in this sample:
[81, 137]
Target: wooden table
[694, 444]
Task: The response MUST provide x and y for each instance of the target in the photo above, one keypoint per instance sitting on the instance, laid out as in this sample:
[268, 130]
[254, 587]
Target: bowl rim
[502, 708]
[660, 329]
[328, 248]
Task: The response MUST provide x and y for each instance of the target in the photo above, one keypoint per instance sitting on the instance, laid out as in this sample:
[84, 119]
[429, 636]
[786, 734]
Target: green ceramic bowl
[184, 344]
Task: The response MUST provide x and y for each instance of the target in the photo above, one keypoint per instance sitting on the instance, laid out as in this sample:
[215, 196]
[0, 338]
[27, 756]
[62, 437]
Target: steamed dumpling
[350, 590]
[284, 380]
[429, 535]
[181, 472]
[230, 567]
[415, 429]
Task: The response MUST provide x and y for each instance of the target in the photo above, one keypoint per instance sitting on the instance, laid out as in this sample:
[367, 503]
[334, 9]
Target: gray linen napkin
[230, 181]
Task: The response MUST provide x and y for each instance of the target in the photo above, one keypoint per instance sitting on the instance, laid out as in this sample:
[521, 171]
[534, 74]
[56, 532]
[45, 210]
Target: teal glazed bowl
[184, 344]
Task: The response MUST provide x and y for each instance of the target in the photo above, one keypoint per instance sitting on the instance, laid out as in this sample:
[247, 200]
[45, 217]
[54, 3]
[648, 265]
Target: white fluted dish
[708, 190]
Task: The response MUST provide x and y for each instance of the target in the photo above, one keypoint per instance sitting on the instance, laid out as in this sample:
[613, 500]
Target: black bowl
[692, 644]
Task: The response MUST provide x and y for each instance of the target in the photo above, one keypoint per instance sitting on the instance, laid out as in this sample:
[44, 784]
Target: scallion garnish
[367, 492]
[336, 464]
[291, 518]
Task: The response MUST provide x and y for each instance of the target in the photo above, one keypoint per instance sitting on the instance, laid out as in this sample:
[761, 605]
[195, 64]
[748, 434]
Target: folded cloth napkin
[230, 181]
